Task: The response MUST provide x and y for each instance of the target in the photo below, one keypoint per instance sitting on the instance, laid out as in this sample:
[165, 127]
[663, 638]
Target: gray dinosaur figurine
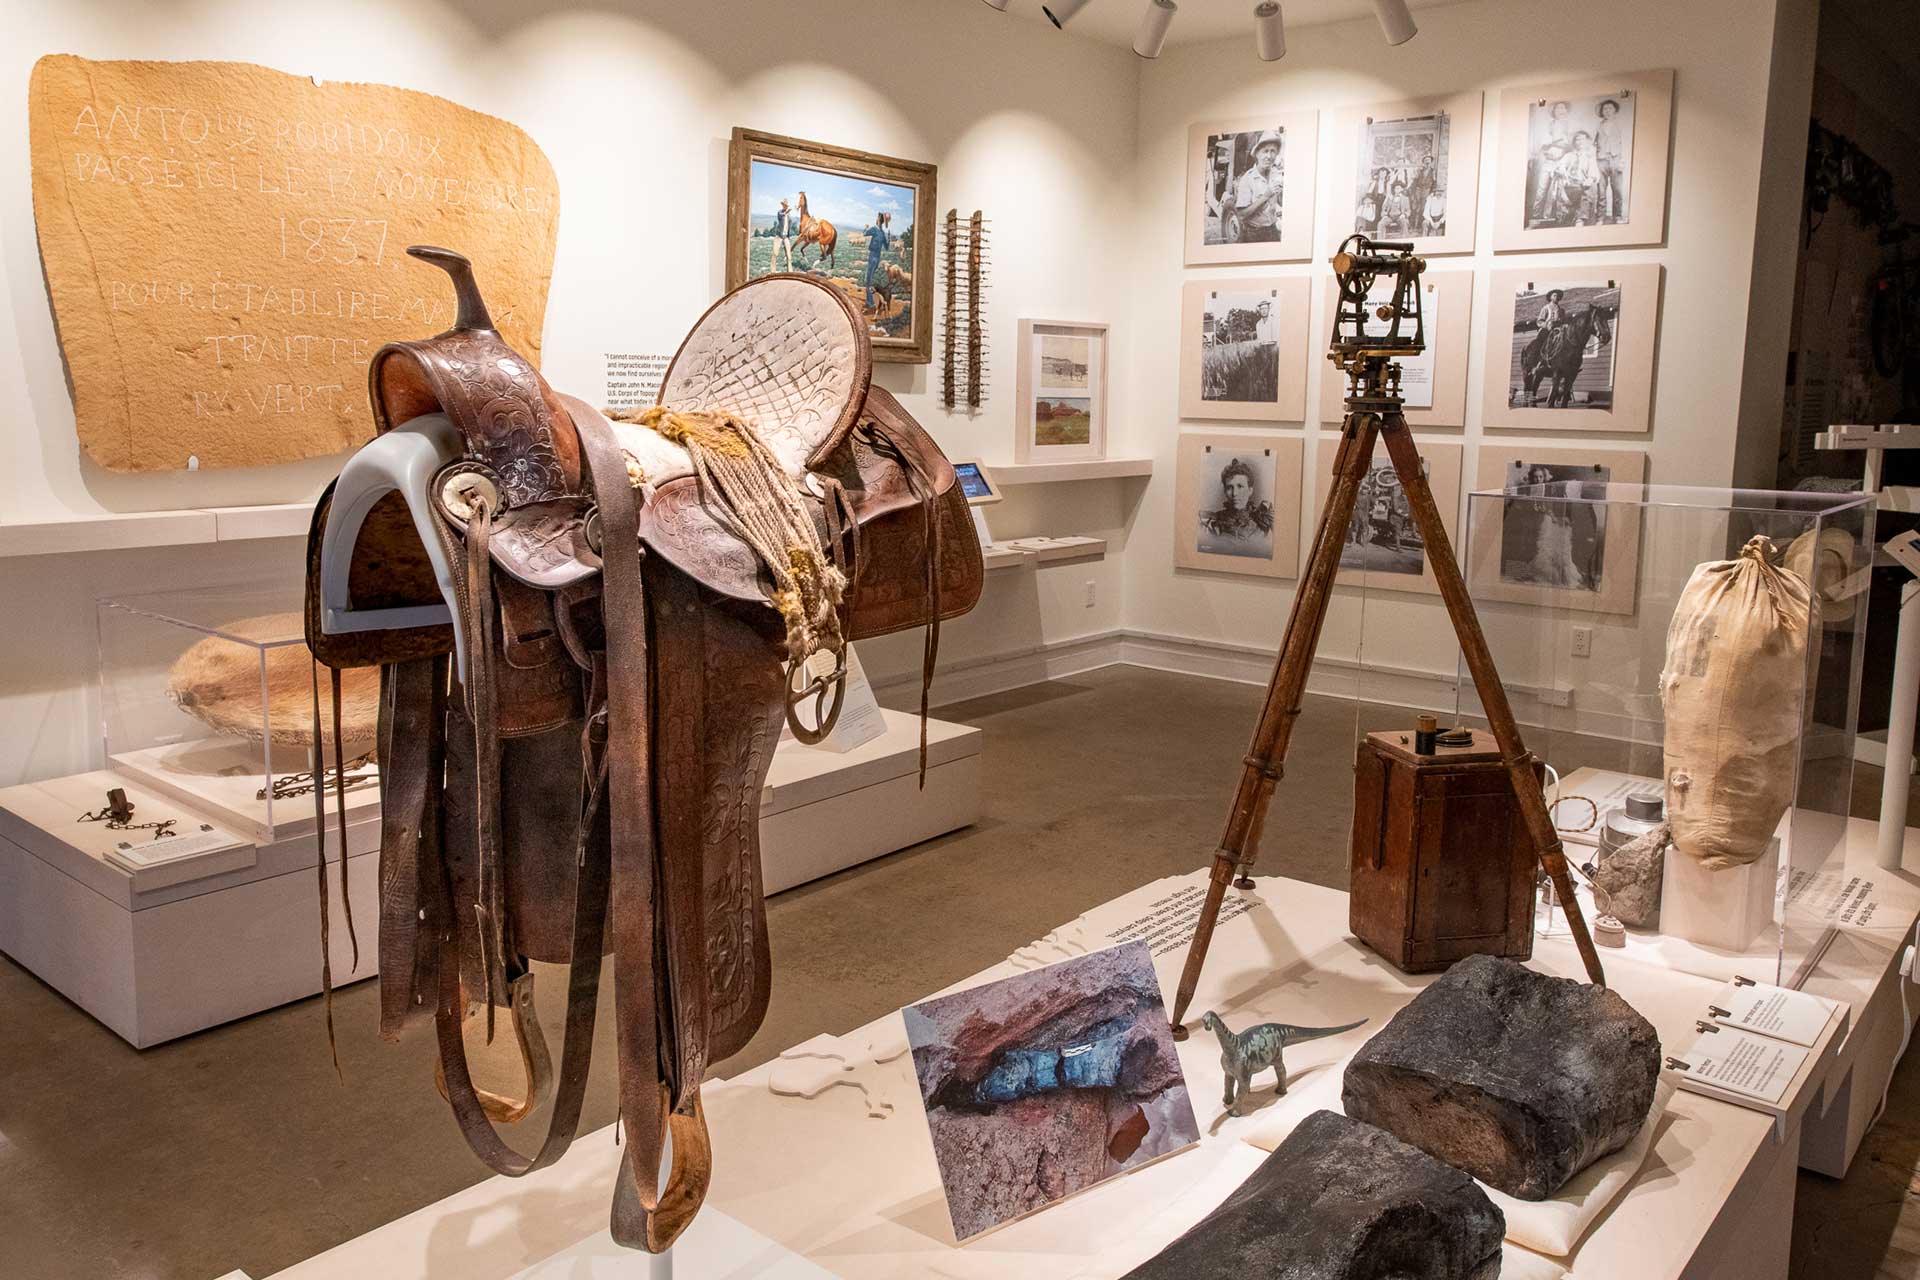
[1245, 1053]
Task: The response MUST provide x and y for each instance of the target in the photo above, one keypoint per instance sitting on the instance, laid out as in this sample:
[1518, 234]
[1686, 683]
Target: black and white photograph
[1064, 361]
[1579, 160]
[1401, 177]
[1236, 503]
[1240, 347]
[1557, 541]
[1563, 346]
[1382, 537]
[1244, 186]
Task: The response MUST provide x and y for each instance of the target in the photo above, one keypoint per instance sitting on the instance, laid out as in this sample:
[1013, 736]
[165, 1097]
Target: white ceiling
[1114, 21]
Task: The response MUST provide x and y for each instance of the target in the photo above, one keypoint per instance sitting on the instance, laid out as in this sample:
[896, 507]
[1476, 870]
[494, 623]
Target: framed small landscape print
[861, 222]
[1408, 171]
[1234, 510]
[1243, 349]
[1382, 549]
[1250, 189]
[1061, 415]
[1434, 383]
[1558, 551]
[1583, 163]
[1571, 348]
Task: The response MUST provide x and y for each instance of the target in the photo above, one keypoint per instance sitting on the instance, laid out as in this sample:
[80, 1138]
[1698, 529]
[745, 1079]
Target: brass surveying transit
[1370, 362]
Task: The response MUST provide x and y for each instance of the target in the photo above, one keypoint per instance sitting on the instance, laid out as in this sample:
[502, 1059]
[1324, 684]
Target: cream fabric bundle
[1734, 692]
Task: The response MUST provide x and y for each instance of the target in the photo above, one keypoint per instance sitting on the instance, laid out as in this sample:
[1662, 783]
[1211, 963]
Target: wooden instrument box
[1441, 864]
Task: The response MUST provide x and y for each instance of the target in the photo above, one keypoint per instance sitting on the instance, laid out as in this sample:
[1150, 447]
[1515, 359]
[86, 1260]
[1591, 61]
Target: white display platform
[846, 1178]
[157, 963]
[164, 962]
[824, 811]
[1860, 966]
[221, 777]
[1721, 910]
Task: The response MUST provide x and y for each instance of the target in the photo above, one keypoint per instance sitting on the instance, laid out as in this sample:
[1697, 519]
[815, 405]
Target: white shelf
[1054, 472]
[123, 531]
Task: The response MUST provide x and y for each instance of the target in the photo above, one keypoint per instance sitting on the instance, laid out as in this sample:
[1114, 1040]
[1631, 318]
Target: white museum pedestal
[836, 1167]
[1724, 910]
[157, 957]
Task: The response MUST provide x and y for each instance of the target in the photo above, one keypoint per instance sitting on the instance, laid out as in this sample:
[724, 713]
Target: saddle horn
[472, 312]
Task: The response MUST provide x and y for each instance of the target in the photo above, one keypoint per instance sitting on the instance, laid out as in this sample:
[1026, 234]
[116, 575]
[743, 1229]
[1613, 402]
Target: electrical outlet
[1583, 642]
[1090, 593]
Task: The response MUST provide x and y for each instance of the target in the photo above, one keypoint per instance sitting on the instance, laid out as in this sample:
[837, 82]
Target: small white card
[1793, 1016]
[1753, 1066]
[134, 855]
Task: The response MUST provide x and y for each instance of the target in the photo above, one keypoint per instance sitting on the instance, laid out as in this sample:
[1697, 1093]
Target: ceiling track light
[1001, 5]
[1060, 12]
[1396, 21]
[1151, 38]
[1269, 31]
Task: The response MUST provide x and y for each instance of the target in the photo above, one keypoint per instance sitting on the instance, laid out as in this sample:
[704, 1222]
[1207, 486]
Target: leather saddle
[571, 767]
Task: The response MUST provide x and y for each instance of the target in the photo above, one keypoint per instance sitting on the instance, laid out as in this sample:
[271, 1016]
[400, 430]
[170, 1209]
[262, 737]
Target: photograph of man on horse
[1565, 339]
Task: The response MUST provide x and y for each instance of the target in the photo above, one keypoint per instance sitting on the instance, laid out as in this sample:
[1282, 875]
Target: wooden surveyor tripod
[1369, 359]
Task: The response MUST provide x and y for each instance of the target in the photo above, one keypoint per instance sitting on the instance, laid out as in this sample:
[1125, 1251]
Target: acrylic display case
[1576, 581]
[207, 697]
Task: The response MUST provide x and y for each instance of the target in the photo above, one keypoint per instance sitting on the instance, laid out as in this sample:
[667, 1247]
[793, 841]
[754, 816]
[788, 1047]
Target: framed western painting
[1434, 383]
[1556, 550]
[1250, 189]
[1243, 349]
[851, 218]
[1583, 163]
[1061, 413]
[1234, 509]
[1382, 549]
[1571, 348]
[1408, 171]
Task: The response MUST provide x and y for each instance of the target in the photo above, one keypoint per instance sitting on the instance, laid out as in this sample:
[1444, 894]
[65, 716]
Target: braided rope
[747, 490]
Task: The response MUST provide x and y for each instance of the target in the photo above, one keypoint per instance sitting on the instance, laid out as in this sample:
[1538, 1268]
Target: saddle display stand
[586, 656]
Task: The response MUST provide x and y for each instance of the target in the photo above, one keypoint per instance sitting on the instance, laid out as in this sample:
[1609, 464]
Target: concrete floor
[240, 1148]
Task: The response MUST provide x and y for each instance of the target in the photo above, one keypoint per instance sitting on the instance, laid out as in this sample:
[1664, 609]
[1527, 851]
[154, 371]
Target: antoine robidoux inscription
[225, 248]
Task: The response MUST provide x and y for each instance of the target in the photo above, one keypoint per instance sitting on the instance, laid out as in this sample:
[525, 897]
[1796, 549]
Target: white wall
[634, 108]
[1721, 51]
[1075, 150]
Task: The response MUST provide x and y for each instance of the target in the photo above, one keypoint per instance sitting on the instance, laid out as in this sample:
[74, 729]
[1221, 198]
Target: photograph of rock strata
[1043, 1084]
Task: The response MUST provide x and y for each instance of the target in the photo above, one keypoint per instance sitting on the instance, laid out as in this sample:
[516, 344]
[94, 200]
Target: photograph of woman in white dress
[1555, 536]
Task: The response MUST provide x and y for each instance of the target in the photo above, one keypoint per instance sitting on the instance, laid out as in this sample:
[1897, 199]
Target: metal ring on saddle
[819, 684]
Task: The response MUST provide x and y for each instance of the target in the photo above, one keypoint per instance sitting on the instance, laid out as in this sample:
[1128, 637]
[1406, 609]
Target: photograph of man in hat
[1257, 194]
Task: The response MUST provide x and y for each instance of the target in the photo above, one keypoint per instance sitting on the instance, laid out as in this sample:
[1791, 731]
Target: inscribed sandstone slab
[224, 247]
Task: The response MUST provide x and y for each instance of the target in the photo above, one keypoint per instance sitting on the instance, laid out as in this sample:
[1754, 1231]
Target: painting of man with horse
[849, 219]
[1563, 347]
[855, 233]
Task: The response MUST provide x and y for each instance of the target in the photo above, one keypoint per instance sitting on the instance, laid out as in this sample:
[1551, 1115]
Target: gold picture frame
[892, 287]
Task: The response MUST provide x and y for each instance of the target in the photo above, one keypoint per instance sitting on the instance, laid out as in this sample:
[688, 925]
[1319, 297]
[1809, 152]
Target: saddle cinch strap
[573, 746]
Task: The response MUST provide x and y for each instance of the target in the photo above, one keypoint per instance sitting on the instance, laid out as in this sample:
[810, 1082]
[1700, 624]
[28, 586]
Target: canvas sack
[1734, 693]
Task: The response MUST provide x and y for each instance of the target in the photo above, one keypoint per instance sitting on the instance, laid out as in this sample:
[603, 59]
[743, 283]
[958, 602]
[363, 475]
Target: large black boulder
[1341, 1200]
[1519, 1078]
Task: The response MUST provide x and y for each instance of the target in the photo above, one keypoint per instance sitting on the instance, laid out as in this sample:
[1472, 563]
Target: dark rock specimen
[1341, 1200]
[1521, 1079]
